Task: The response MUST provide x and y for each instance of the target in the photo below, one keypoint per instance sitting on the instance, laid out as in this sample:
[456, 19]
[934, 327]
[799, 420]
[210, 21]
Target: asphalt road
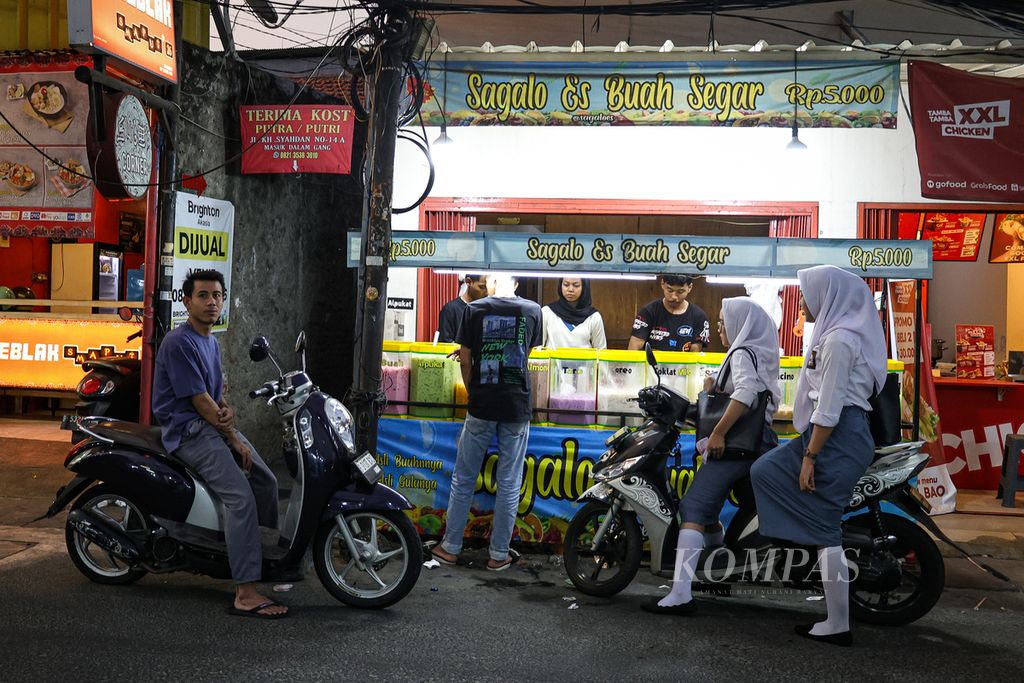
[465, 623]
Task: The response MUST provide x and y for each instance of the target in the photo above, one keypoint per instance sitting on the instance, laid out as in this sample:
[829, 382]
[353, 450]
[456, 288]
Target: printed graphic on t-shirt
[502, 355]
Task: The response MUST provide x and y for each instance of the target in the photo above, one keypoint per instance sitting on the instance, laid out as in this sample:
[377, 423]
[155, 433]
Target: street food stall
[579, 395]
[69, 257]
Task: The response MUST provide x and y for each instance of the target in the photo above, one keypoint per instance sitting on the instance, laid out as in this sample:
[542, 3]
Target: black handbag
[745, 439]
[885, 413]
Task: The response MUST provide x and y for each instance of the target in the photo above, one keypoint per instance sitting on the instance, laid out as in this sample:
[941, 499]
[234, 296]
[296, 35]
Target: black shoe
[685, 609]
[843, 639]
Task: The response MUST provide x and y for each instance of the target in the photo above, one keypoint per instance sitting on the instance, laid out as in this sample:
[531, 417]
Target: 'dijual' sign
[203, 230]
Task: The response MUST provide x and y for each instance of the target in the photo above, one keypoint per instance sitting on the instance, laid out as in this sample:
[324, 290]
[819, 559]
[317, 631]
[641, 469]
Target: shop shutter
[791, 226]
[433, 291]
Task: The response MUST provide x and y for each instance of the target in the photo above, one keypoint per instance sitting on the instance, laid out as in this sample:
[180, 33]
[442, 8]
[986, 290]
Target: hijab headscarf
[574, 314]
[839, 301]
[749, 326]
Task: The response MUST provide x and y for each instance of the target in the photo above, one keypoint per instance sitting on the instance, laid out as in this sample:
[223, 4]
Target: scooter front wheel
[609, 568]
[385, 563]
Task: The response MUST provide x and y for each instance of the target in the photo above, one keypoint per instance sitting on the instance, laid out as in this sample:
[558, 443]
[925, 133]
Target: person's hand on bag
[716, 445]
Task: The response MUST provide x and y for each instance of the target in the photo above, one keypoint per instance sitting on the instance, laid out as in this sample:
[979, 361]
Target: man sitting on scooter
[198, 429]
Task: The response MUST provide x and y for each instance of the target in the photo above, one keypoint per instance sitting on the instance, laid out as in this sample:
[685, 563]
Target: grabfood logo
[978, 120]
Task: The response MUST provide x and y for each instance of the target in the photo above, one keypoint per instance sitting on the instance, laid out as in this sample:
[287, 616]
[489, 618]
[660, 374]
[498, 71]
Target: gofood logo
[978, 120]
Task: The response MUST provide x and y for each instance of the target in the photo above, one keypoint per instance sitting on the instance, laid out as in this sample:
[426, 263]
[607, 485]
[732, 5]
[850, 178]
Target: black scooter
[110, 387]
[897, 573]
[138, 510]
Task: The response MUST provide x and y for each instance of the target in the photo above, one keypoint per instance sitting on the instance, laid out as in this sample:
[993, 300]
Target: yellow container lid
[895, 366]
[396, 346]
[427, 347]
[675, 357]
[574, 354]
[540, 354]
[791, 361]
[621, 356]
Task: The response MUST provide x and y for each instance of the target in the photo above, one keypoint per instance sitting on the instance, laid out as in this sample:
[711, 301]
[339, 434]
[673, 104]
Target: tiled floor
[38, 430]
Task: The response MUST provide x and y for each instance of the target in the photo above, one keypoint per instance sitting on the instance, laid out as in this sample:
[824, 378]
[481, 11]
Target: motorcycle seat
[131, 434]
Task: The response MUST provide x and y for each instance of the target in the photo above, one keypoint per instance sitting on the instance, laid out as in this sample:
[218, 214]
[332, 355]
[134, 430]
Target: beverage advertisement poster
[203, 231]
[975, 352]
[1007, 239]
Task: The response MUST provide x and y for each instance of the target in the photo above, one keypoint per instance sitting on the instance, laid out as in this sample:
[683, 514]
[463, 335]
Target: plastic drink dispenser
[573, 384]
[678, 371]
[789, 373]
[395, 365]
[621, 374]
[432, 379]
[539, 366]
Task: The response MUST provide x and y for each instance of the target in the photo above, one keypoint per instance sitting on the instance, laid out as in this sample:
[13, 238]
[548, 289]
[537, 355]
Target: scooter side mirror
[651, 360]
[125, 313]
[300, 342]
[259, 350]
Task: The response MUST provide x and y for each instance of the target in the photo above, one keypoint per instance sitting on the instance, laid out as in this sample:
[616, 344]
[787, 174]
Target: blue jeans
[473, 442]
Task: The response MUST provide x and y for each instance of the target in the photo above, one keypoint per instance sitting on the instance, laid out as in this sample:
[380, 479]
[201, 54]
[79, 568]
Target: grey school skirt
[812, 517]
[703, 501]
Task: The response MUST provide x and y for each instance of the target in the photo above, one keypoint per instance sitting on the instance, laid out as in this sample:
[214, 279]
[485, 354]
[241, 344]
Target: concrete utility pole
[376, 243]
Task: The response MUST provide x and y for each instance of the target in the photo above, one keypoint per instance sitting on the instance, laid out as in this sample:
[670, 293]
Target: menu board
[1008, 239]
[975, 352]
[43, 102]
[954, 236]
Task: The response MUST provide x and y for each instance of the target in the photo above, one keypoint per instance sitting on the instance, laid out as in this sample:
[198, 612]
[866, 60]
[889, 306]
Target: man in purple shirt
[198, 428]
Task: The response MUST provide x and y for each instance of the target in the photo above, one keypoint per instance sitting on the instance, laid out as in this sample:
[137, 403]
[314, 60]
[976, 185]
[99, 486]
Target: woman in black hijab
[571, 321]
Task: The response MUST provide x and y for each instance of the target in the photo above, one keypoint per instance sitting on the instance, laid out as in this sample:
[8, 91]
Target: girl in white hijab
[803, 486]
[752, 367]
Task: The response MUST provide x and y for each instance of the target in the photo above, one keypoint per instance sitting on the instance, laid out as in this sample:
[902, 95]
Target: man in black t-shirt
[450, 317]
[496, 335]
[671, 323]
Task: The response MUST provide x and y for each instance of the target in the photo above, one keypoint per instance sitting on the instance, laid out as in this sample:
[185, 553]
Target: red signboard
[41, 100]
[1008, 239]
[954, 236]
[968, 146]
[306, 138]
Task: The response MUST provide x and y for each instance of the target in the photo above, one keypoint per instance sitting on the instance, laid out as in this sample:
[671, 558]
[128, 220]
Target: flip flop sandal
[513, 557]
[450, 563]
[255, 611]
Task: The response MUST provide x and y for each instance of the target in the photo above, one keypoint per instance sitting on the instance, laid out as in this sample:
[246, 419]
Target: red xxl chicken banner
[970, 134]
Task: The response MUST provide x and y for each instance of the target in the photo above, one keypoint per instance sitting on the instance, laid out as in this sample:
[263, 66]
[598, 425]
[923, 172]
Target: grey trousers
[250, 499]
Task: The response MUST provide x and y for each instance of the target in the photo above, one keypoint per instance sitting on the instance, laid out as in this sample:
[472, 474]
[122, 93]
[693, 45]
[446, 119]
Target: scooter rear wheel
[97, 564]
[609, 569]
[389, 562]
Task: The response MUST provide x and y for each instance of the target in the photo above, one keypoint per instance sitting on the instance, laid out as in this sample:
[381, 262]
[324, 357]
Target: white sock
[835, 576]
[713, 538]
[688, 548]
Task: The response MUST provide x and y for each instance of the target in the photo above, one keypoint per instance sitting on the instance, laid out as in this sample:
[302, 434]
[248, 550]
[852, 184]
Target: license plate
[367, 466]
[921, 500]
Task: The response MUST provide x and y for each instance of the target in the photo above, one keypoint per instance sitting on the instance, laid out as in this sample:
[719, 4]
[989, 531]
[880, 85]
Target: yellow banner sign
[48, 354]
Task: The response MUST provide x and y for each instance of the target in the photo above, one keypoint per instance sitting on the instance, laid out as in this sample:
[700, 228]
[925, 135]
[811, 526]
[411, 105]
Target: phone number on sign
[296, 155]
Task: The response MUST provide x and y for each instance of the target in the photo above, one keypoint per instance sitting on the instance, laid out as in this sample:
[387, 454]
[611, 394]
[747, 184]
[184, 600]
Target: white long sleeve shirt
[589, 334]
[839, 378]
[743, 384]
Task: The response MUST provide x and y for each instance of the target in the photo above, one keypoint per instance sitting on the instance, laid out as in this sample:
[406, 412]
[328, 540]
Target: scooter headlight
[341, 421]
[619, 469]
